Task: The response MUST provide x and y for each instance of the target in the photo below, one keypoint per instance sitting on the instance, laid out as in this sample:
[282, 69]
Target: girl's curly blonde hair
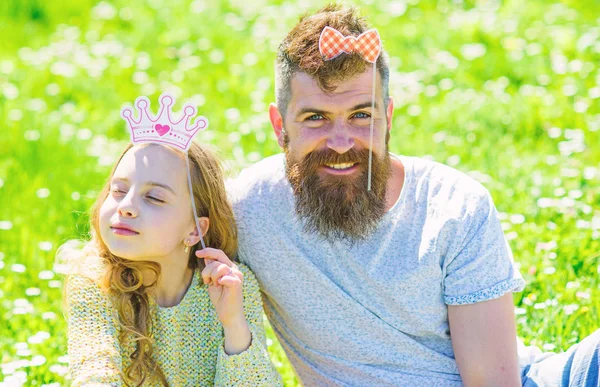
[123, 280]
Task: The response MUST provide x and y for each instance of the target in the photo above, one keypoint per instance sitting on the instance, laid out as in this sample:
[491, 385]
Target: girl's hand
[224, 287]
[225, 291]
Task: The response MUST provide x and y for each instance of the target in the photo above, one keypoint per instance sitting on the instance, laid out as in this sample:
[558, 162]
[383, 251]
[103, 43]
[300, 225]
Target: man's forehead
[306, 91]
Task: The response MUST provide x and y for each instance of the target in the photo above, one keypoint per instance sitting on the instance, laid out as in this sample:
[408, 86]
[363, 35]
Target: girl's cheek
[108, 208]
[105, 207]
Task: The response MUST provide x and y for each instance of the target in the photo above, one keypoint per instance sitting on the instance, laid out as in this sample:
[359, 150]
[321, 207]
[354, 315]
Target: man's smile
[341, 168]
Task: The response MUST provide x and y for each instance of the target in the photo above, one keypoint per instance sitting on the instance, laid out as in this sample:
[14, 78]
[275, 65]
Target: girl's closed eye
[117, 191]
[156, 199]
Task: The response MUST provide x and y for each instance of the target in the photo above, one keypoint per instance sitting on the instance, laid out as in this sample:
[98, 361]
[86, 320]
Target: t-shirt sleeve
[480, 264]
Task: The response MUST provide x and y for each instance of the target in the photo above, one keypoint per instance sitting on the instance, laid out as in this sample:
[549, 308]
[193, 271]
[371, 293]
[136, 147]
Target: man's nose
[340, 140]
[126, 208]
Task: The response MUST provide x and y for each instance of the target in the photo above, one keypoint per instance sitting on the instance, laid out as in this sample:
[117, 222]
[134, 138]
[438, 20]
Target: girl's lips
[122, 231]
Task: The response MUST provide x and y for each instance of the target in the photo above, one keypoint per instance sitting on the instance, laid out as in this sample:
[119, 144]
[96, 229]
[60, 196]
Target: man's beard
[339, 206]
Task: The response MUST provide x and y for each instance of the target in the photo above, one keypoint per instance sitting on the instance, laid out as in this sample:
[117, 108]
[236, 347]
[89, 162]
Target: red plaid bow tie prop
[332, 43]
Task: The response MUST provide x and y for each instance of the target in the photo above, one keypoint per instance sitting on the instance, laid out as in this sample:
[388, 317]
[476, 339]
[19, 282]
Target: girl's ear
[194, 237]
[204, 223]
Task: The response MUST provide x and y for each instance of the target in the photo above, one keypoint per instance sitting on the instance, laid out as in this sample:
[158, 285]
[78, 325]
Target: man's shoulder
[446, 186]
[258, 180]
[437, 174]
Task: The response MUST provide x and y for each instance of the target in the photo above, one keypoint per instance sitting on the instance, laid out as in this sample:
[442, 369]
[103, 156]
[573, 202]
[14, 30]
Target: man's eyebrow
[365, 105]
[311, 110]
[152, 183]
[361, 105]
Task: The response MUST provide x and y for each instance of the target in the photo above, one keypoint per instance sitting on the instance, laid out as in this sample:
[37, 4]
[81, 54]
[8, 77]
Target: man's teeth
[341, 166]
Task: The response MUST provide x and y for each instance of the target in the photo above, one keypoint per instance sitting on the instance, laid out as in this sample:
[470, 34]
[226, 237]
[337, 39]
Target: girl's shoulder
[79, 258]
[90, 312]
[82, 291]
[84, 285]
[83, 269]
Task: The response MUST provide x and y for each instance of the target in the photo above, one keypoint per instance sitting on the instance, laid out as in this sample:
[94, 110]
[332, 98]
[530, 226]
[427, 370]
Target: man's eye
[116, 190]
[362, 115]
[315, 117]
[156, 199]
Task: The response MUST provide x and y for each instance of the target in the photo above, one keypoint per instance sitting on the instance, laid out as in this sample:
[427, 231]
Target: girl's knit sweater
[187, 339]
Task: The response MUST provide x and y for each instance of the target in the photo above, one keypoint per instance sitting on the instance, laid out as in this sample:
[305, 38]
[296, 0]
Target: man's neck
[395, 183]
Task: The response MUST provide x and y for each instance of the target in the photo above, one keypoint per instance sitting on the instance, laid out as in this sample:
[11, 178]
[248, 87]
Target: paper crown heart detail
[162, 128]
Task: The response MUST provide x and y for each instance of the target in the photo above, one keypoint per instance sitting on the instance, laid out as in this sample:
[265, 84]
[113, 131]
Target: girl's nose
[341, 139]
[126, 207]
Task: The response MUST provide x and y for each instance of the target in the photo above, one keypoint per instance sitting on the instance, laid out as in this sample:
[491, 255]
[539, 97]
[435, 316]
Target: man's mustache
[322, 157]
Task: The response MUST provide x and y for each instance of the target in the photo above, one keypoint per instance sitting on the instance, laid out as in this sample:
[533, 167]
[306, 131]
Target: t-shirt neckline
[407, 166]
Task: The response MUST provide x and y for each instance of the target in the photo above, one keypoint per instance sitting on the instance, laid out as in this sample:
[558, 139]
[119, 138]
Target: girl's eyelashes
[119, 192]
[156, 199]
[116, 190]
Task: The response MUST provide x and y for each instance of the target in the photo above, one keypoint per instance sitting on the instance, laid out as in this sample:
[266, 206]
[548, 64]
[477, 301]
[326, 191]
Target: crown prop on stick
[333, 43]
[162, 129]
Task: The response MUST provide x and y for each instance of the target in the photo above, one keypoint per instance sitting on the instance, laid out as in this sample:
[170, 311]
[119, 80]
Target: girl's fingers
[221, 271]
[215, 255]
[214, 271]
[207, 271]
[230, 281]
[238, 274]
[218, 266]
[234, 272]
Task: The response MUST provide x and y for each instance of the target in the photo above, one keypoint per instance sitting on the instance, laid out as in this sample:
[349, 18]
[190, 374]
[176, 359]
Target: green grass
[524, 118]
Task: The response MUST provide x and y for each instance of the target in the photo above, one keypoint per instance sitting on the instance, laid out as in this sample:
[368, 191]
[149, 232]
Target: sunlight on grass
[508, 92]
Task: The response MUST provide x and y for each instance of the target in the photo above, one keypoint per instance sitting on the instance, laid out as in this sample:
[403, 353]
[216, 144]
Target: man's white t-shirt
[374, 313]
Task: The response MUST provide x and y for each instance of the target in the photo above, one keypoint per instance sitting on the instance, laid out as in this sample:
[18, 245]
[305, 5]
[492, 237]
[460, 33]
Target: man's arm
[484, 339]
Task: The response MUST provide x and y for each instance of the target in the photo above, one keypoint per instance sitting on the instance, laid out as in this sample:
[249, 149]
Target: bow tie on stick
[368, 45]
[332, 44]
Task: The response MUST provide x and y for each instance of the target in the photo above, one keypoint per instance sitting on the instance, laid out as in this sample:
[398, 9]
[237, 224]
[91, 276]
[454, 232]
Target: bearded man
[408, 283]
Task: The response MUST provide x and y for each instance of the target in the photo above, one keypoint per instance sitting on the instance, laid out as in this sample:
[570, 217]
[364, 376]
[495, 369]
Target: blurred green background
[507, 91]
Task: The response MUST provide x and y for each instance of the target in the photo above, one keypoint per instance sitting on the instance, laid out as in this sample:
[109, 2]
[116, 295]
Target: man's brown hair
[299, 52]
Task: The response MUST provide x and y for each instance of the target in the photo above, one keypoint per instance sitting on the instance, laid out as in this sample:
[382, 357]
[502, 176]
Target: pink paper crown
[162, 129]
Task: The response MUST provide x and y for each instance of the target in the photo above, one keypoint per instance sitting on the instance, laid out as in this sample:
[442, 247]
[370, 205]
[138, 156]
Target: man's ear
[277, 123]
[389, 113]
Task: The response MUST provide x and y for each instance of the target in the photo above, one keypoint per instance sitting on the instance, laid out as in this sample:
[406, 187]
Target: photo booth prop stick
[162, 129]
[368, 45]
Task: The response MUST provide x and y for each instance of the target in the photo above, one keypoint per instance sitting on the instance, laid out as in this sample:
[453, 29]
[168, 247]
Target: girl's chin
[131, 251]
[126, 253]
[135, 255]
[124, 248]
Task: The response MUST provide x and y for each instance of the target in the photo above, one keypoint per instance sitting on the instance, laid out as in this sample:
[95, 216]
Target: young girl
[142, 310]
